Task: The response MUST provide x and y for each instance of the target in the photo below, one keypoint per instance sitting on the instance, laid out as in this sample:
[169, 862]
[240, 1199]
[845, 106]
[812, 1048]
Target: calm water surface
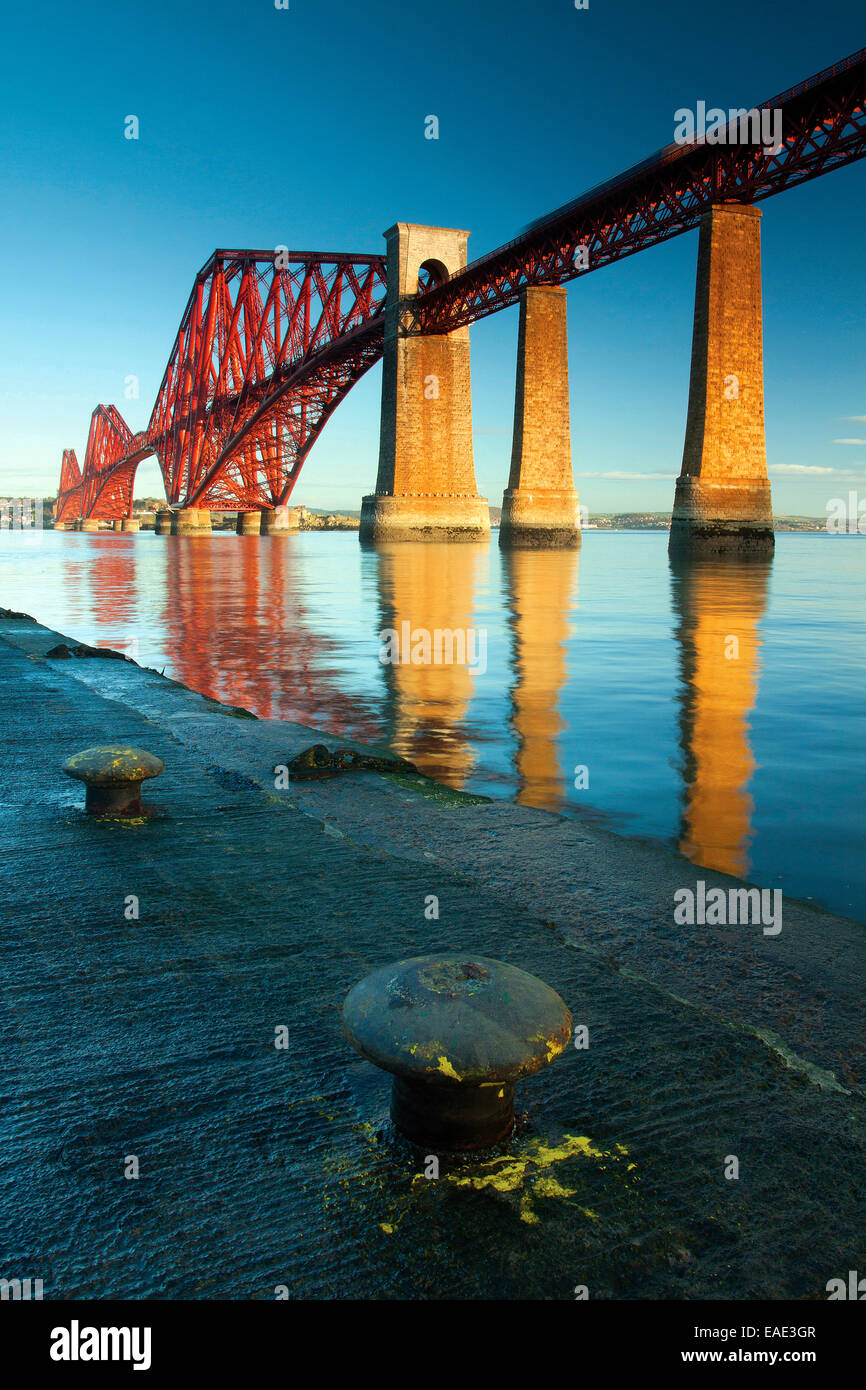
[718, 708]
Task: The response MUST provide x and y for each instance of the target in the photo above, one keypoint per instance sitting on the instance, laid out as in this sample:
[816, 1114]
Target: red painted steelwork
[268, 346]
[823, 127]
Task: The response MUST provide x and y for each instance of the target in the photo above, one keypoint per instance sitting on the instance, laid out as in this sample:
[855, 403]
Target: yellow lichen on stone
[572, 1144]
[526, 1172]
[507, 1179]
[552, 1046]
[446, 1069]
[526, 1212]
[549, 1187]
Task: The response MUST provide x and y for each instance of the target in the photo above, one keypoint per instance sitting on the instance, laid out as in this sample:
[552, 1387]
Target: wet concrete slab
[260, 906]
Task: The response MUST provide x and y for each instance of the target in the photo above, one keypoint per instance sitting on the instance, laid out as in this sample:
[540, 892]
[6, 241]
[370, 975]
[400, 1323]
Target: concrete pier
[425, 489]
[88, 523]
[722, 501]
[117, 524]
[162, 521]
[540, 505]
[279, 521]
[130, 523]
[248, 523]
[191, 521]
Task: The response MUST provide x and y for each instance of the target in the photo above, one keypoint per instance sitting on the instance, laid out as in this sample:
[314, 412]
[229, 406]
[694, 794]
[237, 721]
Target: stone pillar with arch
[425, 489]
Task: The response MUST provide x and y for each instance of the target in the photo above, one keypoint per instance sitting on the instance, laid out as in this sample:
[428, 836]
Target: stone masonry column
[426, 487]
[191, 521]
[248, 523]
[722, 501]
[162, 521]
[279, 521]
[539, 506]
[130, 523]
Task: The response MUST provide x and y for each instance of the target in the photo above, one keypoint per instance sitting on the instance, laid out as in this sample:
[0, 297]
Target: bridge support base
[279, 521]
[89, 524]
[540, 506]
[117, 524]
[191, 521]
[722, 503]
[420, 518]
[130, 523]
[539, 519]
[248, 523]
[711, 518]
[162, 521]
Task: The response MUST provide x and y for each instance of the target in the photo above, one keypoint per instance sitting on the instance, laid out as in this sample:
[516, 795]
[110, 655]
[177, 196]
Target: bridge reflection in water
[434, 587]
[238, 626]
[719, 606]
[235, 627]
[112, 573]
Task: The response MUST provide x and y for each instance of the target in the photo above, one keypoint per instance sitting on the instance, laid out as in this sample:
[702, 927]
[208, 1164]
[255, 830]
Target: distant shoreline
[322, 519]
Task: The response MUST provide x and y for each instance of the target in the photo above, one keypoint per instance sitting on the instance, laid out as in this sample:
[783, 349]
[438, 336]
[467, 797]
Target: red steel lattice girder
[253, 374]
[268, 346]
[823, 126]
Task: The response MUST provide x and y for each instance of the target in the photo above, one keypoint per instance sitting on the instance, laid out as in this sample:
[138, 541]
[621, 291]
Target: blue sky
[305, 127]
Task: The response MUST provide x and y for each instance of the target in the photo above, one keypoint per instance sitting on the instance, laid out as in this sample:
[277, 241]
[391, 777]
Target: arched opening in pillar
[425, 486]
[431, 272]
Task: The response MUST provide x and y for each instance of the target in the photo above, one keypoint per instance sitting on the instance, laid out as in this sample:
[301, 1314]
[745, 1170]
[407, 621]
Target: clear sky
[305, 127]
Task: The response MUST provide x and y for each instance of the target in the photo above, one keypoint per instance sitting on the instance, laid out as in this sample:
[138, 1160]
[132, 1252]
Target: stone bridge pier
[425, 489]
[540, 506]
[722, 501]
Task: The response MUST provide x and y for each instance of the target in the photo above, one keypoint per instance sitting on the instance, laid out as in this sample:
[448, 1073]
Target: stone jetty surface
[150, 966]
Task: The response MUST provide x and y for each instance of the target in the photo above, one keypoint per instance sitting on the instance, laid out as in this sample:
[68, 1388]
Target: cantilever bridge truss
[271, 342]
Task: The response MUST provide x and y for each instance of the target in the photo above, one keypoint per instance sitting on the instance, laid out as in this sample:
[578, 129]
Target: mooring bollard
[113, 775]
[456, 1032]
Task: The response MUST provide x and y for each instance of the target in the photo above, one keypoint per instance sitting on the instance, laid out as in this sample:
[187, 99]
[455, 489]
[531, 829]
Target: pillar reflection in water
[541, 590]
[719, 605]
[430, 587]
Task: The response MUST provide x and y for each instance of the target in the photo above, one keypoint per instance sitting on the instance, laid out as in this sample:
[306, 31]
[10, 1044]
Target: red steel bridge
[271, 341]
